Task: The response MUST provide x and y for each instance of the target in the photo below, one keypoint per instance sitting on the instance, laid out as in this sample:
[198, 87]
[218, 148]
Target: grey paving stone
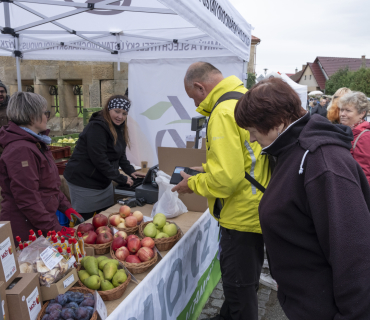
[210, 311]
[217, 294]
[217, 303]
[219, 286]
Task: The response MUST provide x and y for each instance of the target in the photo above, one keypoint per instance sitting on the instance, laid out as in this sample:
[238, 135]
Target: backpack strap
[358, 138]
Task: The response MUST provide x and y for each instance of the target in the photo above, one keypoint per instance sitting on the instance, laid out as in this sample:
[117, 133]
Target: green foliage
[355, 80]
[251, 81]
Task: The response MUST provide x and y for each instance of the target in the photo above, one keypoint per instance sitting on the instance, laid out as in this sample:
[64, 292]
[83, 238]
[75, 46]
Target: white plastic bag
[168, 202]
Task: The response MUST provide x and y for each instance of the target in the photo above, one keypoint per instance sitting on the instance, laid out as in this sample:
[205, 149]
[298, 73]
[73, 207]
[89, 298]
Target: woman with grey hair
[354, 107]
[29, 178]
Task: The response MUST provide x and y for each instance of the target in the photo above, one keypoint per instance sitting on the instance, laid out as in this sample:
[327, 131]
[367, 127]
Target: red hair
[267, 105]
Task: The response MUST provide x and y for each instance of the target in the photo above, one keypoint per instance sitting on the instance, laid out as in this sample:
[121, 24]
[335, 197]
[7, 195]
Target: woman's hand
[138, 175]
[200, 169]
[129, 181]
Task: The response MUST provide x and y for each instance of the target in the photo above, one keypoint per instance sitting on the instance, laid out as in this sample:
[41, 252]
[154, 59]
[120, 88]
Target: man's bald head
[200, 79]
[202, 72]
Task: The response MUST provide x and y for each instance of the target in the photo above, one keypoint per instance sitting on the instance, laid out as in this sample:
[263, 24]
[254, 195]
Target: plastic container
[61, 166]
[63, 220]
[60, 152]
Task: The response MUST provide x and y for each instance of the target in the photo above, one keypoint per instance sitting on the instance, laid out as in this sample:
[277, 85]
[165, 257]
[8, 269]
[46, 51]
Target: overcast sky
[294, 32]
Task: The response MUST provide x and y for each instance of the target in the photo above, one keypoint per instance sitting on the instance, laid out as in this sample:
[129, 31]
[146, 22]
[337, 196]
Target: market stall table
[184, 221]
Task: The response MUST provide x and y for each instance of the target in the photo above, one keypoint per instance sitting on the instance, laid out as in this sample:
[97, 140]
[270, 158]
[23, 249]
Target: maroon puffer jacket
[362, 151]
[29, 183]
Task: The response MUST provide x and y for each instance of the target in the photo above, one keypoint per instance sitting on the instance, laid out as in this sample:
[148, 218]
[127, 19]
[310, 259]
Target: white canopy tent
[112, 30]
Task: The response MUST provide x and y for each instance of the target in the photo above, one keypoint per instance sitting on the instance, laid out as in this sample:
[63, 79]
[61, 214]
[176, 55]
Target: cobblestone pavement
[268, 304]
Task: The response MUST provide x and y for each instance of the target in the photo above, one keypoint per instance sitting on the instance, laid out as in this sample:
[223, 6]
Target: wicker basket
[75, 289]
[163, 244]
[108, 295]
[136, 268]
[129, 231]
[99, 249]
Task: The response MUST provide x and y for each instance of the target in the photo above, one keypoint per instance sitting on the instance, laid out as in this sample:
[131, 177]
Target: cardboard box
[24, 299]
[9, 268]
[62, 286]
[4, 313]
[169, 158]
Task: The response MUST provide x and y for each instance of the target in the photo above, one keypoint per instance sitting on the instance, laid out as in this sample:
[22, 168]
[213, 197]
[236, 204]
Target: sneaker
[267, 281]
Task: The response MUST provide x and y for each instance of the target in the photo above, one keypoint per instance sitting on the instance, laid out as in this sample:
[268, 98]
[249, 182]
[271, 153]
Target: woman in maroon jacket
[29, 179]
[354, 107]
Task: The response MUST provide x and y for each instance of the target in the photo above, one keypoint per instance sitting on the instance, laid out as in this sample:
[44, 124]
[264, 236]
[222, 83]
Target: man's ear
[199, 87]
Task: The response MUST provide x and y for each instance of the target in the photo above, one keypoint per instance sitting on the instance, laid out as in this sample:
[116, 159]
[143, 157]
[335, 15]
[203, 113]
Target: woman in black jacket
[314, 214]
[95, 162]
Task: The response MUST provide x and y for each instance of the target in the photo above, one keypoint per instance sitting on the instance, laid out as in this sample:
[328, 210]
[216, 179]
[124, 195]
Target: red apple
[122, 253]
[85, 227]
[115, 220]
[131, 222]
[103, 230]
[133, 245]
[121, 234]
[118, 243]
[132, 259]
[124, 211]
[145, 254]
[90, 237]
[132, 236]
[139, 216]
[148, 242]
[100, 220]
[104, 238]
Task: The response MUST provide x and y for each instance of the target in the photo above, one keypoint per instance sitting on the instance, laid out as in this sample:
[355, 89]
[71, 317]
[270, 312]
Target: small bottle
[48, 237]
[69, 253]
[59, 235]
[63, 244]
[53, 233]
[76, 250]
[34, 238]
[55, 243]
[39, 232]
[29, 239]
[25, 245]
[19, 250]
[18, 239]
[81, 244]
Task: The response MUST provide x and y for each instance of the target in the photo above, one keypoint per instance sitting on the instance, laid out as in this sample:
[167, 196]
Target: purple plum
[82, 313]
[62, 299]
[68, 313]
[88, 296]
[54, 315]
[45, 317]
[71, 305]
[52, 301]
[77, 297]
[87, 303]
[52, 307]
[91, 311]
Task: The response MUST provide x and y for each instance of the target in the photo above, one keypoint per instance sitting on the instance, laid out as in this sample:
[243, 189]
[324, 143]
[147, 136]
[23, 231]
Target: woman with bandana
[95, 162]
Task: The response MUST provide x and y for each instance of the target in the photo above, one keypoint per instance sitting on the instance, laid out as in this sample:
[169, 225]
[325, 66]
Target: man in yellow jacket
[229, 155]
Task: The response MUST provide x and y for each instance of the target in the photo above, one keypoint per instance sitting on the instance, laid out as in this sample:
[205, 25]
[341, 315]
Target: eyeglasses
[47, 114]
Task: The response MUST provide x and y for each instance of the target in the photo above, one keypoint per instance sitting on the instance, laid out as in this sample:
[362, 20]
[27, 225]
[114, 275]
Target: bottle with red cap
[63, 244]
[81, 244]
[18, 239]
[34, 238]
[19, 249]
[29, 239]
[48, 237]
[39, 232]
[55, 243]
[25, 245]
[76, 250]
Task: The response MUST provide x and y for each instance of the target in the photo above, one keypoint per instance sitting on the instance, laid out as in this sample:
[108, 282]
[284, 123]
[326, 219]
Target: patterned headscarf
[119, 103]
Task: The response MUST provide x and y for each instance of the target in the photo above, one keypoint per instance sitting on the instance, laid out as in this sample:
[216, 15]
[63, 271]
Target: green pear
[159, 220]
[158, 232]
[170, 229]
[105, 261]
[101, 275]
[161, 235]
[106, 285]
[150, 230]
[101, 258]
[91, 266]
[82, 274]
[92, 282]
[109, 271]
[83, 259]
[119, 278]
[167, 223]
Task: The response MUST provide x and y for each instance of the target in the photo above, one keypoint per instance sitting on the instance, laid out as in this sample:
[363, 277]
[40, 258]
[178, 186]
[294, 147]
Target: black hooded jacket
[315, 219]
[96, 160]
[3, 118]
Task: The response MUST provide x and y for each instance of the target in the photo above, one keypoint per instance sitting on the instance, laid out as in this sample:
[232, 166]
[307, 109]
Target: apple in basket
[90, 237]
[121, 234]
[104, 238]
[148, 242]
[133, 245]
[131, 222]
[132, 236]
[133, 259]
[103, 230]
[118, 243]
[85, 228]
[115, 220]
[139, 216]
[124, 211]
[100, 220]
[122, 253]
[145, 254]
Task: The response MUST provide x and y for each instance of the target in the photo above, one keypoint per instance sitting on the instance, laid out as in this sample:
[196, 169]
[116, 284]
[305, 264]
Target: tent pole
[245, 74]
[7, 14]
[17, 60]
[118, 39]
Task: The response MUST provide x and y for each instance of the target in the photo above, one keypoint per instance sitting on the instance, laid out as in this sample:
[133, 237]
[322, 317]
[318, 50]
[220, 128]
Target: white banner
[161, 111]
[166, 291]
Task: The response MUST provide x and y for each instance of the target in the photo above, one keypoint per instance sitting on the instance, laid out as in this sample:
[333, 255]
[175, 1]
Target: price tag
[114, 230]
[67, 282]
[50, 257]
[100, 306]
[71, 262]
[34, 304]
[7, 259]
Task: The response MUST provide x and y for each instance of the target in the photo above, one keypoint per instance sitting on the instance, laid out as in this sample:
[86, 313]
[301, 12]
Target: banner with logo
[161, 111]
[180, 284]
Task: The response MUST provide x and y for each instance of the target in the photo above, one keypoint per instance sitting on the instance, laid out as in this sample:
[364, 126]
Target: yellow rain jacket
[229, 154]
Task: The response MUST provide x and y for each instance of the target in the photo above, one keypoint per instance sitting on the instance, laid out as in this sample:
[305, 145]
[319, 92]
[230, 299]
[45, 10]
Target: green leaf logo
[179, 121]
[157, 111]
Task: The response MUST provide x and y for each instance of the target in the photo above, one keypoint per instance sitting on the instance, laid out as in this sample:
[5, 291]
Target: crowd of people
[277, 175]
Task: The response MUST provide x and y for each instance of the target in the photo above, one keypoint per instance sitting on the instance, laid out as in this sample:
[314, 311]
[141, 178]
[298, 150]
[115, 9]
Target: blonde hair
[333, 109]
[357, 99]
[108, 119]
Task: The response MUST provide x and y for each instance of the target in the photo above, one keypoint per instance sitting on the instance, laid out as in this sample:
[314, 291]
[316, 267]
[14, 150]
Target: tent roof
[65, 30]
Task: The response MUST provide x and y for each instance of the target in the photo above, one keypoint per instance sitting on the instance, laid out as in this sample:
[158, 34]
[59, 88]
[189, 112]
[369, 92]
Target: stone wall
[98, 79]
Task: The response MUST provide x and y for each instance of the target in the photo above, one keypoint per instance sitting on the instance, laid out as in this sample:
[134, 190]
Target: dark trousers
[241, 260]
